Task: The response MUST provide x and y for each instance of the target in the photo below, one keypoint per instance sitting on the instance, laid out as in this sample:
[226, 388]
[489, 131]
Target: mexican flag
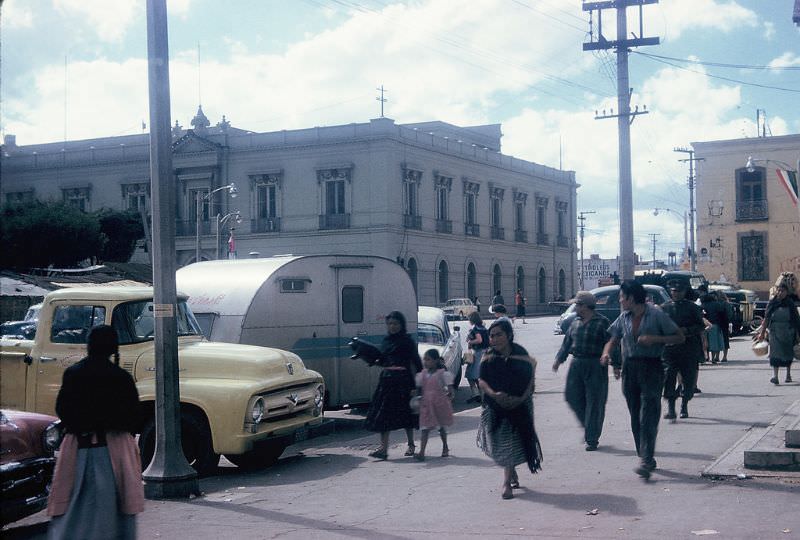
[789, 181]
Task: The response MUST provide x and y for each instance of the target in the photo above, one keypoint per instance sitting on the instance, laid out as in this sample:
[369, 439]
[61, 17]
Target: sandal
[514, 483]
[380, 453]
[410, 450]
[446, 452]
[507, 493]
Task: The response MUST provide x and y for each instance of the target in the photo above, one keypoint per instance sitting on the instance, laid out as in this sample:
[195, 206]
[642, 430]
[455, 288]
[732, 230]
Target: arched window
[471, 281]
[412, 273]
[562, 285]
[542, 286]
[497, 279]
[444, 293]
[520, 278]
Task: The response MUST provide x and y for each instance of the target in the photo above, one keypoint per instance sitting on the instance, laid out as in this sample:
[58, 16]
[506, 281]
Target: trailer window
[352, 304]
[293, 285]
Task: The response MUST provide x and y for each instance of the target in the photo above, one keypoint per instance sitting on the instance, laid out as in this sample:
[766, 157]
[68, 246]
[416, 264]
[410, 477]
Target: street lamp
[237, 218]
[233, 191]
[685, 228]
[786, 174]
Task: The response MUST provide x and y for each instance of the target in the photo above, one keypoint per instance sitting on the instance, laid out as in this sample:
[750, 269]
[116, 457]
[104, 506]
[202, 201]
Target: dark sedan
[608, 304]
[28, 442]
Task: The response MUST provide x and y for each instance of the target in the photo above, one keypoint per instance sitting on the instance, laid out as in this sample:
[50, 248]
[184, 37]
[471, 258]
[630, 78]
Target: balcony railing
[271, 224]
[498, 233]
[189, 228]
[334, 221]
[520, 235]
[444, 226]
[562, 241]
[752, 210]
[541, 239]
[412, 222]
[472, 229]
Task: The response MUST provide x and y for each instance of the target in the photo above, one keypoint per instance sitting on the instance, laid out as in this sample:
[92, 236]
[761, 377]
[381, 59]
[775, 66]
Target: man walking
[519, 301]
[682, 358]
[644, 330]
[586, 390]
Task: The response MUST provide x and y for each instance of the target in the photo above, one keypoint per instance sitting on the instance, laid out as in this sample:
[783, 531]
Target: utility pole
[381, 99]
[582, 226]
[690, 182]
[624, 117]
[654, 235]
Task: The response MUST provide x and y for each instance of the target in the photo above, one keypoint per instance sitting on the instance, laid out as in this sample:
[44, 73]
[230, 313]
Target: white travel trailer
[311, 305]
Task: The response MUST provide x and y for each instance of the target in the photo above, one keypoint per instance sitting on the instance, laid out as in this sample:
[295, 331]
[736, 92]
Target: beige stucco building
[748, 229]
[442, 200]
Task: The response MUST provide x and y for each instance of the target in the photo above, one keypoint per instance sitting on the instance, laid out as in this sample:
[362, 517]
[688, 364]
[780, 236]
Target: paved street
[330, 488]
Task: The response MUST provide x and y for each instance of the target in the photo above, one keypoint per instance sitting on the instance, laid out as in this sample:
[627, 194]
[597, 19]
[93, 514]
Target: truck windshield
[135, 321]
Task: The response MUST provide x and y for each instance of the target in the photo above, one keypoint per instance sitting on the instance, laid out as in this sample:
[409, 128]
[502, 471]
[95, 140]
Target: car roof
[612, 288]
[121, 293]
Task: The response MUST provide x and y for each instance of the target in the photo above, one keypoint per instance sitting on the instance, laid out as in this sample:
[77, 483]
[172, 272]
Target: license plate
[301, 434]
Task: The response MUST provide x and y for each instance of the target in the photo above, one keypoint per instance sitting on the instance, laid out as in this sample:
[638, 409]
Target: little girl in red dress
[435, 385]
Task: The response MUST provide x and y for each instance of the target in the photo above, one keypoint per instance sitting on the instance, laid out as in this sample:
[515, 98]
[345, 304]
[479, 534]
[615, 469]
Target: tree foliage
[41, 234]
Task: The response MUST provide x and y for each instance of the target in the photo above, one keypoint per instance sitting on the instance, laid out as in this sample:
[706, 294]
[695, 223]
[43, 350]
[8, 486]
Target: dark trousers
[586, 393]
[642, 382]
[687, 367]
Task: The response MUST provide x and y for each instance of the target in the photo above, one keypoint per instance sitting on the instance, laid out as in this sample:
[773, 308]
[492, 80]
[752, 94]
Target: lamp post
[237, 218]
[233, 191]
[789, 179]
[685, 219]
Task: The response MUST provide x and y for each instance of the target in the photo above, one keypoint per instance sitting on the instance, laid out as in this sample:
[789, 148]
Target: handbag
[469, 356]
[414, 404]
[761, 348]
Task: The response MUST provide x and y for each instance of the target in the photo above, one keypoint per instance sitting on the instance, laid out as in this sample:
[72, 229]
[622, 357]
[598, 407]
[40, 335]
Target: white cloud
[16, 15]
[674, 17]
[109, 19]
[769, 30]
[787, 59]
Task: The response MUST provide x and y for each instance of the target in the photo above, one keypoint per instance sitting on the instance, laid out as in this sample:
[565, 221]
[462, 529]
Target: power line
[719, 64]
[728, 79]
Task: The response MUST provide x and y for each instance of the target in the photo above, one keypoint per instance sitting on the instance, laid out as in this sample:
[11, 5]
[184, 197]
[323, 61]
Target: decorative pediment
[192, 143]
[520, 196]
[469, 186]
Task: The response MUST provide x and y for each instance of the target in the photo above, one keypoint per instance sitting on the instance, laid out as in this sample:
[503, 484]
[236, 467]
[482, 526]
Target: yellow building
[748, 224]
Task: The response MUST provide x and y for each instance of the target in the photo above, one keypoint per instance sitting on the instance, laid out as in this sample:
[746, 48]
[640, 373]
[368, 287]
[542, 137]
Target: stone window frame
[442, 186]
[747, 265]
[412, 181]
[265, 180]
[80, 193]
[141, 191]
[335, 173]
[542, 202]
[562, 209]
[471, 190]
[21, 196]
[496, 195]
[520, 202]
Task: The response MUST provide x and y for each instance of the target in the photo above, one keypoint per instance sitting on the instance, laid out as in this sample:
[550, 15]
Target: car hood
[21, 435]
[205, 359]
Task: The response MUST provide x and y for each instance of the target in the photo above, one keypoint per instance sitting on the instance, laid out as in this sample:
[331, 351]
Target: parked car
[459, 308]
[608, 304]
[28, 442]
[743, 302]
[24, 329]
[433, 332]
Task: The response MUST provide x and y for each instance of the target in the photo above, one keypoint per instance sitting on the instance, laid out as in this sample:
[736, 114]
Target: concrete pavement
[330, 488]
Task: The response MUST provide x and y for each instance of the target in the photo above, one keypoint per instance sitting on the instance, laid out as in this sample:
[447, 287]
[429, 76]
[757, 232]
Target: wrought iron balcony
[334, 221]
[472, 229]
[520, 235]
[498, 233]
[541, 239]
[412, 222]
[444, 226]
[752, 210]
[271, 224]
[562, 241]
[189, 228]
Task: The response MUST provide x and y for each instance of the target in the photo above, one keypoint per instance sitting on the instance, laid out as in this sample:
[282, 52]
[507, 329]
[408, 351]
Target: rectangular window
[334, 197]
[71, 324]
[496, 212]
[519, 216]
[205, 204]
[293, 285]
[77, 197]
[540, 218]
[753, 264]
[441, 203]
[352, 304]
[267, 202]
[19, 197]
[410, 198]
[470, 211]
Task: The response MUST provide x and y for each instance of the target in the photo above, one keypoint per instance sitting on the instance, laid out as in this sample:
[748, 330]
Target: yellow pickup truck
[246, 402]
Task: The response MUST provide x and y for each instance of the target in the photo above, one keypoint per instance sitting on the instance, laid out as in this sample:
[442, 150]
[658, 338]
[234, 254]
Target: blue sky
[270, 65]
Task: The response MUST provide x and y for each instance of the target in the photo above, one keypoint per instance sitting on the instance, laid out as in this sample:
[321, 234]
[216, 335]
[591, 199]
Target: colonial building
[442, 200]
[748, 226]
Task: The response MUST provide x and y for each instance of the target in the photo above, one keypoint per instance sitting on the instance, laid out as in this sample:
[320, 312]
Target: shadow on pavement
[299, 521]
[625, 452]
[614, 504]
[37, 531]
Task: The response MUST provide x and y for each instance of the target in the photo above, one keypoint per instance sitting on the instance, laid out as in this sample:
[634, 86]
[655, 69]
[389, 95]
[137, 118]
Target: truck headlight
[51, 438]
[319, 400]
[257, 410]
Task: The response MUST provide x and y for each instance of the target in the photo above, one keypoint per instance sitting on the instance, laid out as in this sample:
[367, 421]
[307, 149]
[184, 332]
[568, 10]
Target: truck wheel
[195, 440]
[260, 458]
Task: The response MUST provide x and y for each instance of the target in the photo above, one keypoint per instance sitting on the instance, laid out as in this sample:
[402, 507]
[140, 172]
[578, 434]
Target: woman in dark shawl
[783, 323]
[506, 432]
[389, 409]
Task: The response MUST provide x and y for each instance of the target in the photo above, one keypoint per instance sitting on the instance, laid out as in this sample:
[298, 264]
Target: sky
[77, 69]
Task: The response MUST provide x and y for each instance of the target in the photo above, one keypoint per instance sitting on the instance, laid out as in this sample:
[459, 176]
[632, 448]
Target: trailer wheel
[195, 440]
[259, 458]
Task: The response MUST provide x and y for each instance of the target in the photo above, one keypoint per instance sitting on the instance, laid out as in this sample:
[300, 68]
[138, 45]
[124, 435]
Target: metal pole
[693, 256]
[197, 226]
[168, 475]
[685, 233]
[217, 258]
[623, 124]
